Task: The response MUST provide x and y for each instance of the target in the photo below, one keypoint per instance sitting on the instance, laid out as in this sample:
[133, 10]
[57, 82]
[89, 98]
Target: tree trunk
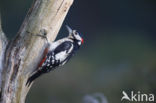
[20, 57]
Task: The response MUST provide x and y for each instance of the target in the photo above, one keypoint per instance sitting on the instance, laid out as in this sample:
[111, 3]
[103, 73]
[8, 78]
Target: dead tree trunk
[20, 57]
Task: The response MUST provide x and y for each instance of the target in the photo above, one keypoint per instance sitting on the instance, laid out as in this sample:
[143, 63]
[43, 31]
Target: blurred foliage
[119, 52]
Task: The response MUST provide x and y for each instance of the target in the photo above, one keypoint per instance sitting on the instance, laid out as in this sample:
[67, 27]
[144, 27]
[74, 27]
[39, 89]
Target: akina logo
[138, 97]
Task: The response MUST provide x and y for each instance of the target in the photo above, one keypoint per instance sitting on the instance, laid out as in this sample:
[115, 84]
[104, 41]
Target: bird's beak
[69, 29]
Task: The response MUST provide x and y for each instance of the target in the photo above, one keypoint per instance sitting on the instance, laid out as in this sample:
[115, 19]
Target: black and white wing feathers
[54, 58]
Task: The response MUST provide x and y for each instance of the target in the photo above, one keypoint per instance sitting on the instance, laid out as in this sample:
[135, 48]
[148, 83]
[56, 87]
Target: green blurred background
[119, 51]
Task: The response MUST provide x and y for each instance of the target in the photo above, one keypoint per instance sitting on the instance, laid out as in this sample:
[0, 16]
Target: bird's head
[75, 35]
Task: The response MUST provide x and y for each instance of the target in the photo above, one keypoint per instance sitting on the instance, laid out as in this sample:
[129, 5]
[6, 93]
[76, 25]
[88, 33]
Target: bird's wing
[63, 51]
[56, 57]
[55, 44]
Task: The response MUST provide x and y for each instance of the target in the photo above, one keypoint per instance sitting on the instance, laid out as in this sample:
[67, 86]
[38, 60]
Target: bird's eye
[76, 33]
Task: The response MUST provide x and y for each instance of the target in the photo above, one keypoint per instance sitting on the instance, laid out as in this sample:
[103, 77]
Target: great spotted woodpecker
[57, 54]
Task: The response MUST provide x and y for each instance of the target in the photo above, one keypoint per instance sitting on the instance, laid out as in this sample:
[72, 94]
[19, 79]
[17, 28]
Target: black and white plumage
[58, 53]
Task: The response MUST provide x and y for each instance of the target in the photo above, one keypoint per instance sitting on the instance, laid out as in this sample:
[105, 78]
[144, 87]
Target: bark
[21, 56]
[3, 44]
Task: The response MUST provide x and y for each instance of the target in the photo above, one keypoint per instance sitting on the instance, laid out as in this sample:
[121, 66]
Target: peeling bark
[23, 54]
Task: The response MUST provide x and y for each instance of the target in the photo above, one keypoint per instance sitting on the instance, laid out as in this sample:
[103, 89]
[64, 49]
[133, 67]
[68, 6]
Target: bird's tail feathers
[33, 77]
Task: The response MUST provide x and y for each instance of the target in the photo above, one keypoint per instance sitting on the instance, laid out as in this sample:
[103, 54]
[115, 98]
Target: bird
[57, 53]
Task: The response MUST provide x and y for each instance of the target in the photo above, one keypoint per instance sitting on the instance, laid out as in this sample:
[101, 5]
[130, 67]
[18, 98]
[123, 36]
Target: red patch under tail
[44, 57]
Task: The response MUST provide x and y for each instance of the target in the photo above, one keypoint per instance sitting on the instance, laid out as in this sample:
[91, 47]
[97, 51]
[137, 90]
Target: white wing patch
[61, 56]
